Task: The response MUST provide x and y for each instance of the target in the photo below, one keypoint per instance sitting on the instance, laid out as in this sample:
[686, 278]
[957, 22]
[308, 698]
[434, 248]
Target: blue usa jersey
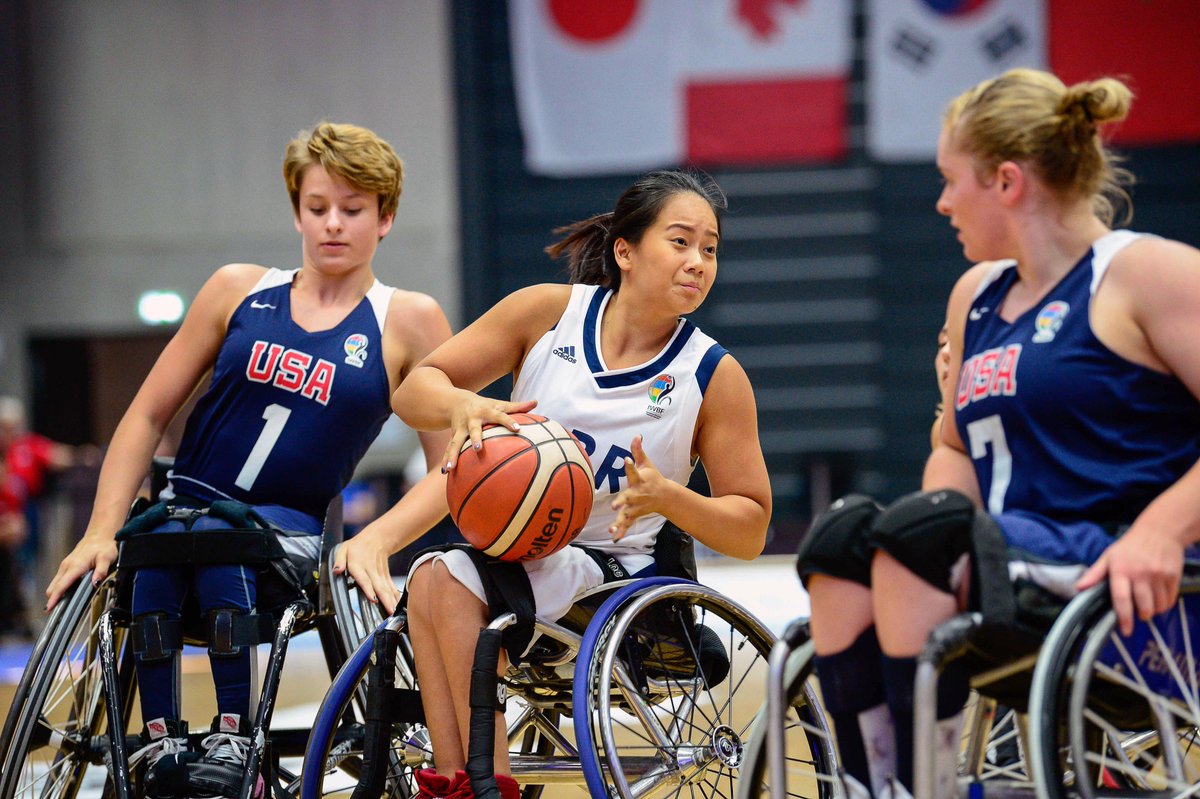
[1055, 422]
[288, 413]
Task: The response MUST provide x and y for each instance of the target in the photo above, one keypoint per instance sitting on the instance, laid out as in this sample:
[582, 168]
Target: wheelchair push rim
[671, 691]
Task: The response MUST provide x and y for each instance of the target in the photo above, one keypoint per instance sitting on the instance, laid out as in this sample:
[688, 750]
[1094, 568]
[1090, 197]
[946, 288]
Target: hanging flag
[626, 85]
[921, 54]
[1152, 46]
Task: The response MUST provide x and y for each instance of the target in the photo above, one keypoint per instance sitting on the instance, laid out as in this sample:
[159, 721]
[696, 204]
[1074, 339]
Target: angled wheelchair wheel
[355, 617]
[55, 737]
[337, 756]
[1116, 716]
[802, 762]
[670, 684]
[334, 759]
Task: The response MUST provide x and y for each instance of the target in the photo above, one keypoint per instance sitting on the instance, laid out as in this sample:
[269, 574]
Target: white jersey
[605, 408]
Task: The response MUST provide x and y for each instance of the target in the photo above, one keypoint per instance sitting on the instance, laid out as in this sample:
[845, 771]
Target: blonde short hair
[355, 154]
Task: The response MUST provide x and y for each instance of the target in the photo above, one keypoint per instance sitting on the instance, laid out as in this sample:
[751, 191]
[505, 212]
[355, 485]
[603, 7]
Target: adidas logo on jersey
[566, 353]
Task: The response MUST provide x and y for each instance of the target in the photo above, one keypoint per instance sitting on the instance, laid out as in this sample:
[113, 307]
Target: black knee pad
[156, 637]
[837, 542]
[927, 532]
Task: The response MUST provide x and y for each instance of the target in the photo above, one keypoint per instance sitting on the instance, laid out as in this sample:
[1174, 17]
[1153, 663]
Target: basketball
[525, 494]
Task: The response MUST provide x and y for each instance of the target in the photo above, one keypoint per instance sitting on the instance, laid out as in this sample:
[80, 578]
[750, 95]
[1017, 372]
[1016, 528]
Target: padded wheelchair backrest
[160, 468]
[675, 553]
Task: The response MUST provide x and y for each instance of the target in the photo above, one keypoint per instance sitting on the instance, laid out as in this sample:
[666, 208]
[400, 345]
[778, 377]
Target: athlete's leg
[444, 633]
[232, 591]
[922, 544]
[158, 594]
[834, 564]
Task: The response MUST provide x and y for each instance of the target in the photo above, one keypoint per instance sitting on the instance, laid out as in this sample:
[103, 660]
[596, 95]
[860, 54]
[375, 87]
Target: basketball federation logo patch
[356, 349]
[1049, 321]
[663, 385]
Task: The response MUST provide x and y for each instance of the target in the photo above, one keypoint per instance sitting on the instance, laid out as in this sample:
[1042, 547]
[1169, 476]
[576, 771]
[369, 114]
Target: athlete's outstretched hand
[365, 558]
[1143, 569]
[644, 492]
[95, 553]
[471, 414]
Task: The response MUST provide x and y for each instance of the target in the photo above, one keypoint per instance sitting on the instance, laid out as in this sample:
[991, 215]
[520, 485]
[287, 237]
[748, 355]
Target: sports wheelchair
[1086, 712]
[71, 714]
[648, 687]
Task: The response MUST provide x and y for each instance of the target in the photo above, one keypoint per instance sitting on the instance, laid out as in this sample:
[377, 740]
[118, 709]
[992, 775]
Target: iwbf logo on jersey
[921, 54]
[663, 385]
[1049, 320]
[356, 349]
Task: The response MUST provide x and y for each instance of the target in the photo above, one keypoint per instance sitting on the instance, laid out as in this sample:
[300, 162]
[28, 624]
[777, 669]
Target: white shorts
[556, 580]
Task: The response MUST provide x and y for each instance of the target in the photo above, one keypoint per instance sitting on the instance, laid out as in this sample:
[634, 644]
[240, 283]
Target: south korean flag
[921, 54]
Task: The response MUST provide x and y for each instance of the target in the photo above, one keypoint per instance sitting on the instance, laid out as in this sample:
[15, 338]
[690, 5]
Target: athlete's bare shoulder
[238, 276]
[537, 307]
[226, 288]
[408, 309]
[415, 326]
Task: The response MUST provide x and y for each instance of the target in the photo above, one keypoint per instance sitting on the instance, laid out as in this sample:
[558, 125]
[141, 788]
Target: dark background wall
[832, 284]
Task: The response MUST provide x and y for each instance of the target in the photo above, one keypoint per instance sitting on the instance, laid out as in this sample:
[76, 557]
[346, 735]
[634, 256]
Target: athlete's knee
[929, 534]
[837, 543]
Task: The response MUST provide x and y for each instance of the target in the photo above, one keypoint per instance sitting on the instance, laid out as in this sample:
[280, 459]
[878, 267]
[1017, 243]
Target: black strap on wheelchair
[156, 637]
[229, 631]
[507, 590]
[992, 588]
[249, 539]
[675, 553]
[486, 698]
[204, 547]
[385, 704]
[609, 565]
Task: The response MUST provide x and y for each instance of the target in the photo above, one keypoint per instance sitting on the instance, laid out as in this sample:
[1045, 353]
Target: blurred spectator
[14, 622]
[31, 459]
[360, 506]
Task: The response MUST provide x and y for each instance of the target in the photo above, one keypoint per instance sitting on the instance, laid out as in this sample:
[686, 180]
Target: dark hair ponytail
[588, 243]
[584, 242]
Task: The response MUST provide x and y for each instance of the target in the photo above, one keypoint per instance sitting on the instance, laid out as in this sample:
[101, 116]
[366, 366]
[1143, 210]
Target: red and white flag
[1152, 46]
[921, 54]
[627, 85]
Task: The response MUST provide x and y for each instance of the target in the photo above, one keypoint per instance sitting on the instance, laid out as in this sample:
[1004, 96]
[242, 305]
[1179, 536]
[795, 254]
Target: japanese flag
[626, 85]
[921, 54]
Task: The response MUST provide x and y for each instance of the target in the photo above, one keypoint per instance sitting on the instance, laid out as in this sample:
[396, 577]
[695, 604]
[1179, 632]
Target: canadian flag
[626, 85]
[921, 54]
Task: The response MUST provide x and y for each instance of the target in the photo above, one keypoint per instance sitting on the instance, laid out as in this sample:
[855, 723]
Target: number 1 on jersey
[276, 416]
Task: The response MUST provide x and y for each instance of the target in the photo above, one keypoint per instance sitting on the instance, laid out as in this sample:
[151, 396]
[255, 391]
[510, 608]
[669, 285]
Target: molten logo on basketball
[549, 530]
[525, 494]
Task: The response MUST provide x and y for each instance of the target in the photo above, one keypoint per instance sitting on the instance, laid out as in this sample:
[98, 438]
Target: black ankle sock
[851, 682]
[898, 676]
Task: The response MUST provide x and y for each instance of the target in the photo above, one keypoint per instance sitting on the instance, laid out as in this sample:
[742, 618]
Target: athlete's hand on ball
[643, 492]
[469, 417]
[1143, 567]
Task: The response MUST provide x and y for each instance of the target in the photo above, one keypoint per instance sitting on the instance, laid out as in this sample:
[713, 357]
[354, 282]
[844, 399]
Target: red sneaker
[431, 785]
[508, 787]
[460, 788]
